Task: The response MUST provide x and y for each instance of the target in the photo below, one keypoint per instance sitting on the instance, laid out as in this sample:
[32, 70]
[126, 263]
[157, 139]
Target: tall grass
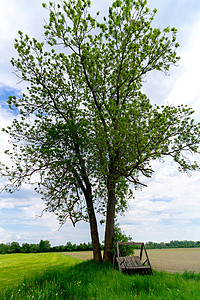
[91, 281]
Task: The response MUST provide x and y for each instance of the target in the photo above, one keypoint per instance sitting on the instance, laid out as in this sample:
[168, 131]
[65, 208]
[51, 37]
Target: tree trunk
[93, 228]
[87, 191]
[110, 217]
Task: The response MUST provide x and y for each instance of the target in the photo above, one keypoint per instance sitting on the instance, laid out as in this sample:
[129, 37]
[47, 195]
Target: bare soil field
[175, 260]
[169, 260]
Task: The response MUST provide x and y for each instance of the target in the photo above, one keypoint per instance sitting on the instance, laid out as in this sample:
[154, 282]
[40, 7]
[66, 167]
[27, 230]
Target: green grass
[14, 267]
[91, 281]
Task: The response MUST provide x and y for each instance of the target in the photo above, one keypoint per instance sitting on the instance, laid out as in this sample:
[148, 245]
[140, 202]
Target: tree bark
[93, 229]
[110, 217]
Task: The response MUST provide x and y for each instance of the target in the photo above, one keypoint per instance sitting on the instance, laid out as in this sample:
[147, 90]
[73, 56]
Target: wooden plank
[141, 250]
[129, 262]
[130, 243]
[148, 261]
[137, 268]
[118, 257]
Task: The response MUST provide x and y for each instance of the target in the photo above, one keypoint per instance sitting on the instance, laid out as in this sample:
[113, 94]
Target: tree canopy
[85, 131]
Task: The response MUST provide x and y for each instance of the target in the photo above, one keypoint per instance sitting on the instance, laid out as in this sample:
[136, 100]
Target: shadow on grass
[91, 280]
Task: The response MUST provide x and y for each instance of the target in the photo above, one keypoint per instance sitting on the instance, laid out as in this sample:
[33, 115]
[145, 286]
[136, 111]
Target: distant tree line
[173, 244]
[45, 246]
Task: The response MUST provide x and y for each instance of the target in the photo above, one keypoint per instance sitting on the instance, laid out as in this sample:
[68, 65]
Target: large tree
[84, 126]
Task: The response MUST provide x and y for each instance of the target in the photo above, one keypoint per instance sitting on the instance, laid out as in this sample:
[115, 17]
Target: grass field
[58, 276]
[13, 267]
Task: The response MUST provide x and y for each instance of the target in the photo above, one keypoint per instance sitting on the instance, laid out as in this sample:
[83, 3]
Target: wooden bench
[133, 263]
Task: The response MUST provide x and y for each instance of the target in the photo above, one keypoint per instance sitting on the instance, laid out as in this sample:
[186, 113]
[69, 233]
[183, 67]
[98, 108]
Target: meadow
[14, 267]
[58, 276]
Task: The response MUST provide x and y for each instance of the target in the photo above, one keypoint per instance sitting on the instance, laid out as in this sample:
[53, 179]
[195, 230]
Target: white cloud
[186, 89]
[27, 16]
[5, 120]
[166, 209]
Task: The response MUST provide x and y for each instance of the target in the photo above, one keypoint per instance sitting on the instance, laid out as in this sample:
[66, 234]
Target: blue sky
[169, 207]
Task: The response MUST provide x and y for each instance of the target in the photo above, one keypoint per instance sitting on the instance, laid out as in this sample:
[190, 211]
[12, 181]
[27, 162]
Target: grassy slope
[13, 267]
[91, 281]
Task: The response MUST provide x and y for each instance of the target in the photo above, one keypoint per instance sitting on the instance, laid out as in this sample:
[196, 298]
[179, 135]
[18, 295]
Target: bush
[120, 236]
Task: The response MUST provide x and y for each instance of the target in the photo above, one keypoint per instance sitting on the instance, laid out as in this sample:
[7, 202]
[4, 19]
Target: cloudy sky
[169, 207]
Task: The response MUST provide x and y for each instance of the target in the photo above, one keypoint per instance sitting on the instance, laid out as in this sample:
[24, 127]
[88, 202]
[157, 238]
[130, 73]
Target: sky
[169, 207]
